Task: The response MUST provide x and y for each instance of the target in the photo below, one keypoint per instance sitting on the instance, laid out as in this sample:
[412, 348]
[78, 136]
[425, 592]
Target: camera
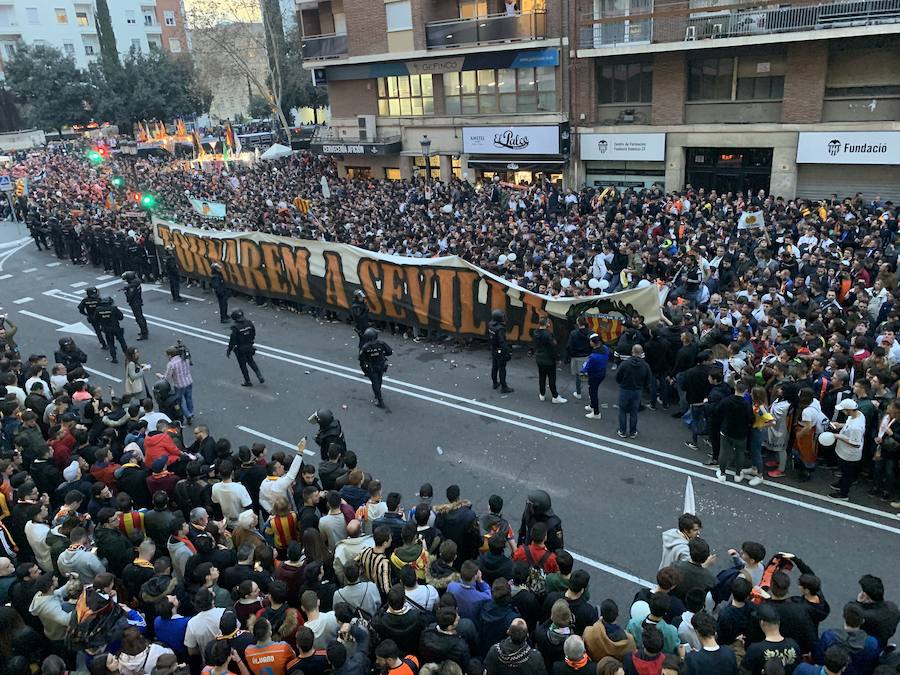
[181, 350]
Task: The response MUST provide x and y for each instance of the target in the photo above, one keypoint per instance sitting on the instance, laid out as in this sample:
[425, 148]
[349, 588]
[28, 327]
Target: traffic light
[118, 182]
[98, 154]
[135, 197]
[148, 201]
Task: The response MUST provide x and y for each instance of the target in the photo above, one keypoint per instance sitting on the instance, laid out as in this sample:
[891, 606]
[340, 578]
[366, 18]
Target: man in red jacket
[159, 444]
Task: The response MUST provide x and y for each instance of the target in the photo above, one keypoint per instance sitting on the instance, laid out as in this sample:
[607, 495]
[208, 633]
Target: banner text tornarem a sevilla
[446, 294]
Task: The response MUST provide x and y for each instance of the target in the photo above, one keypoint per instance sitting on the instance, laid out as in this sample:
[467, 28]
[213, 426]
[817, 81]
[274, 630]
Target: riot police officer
[373, 360]
[221, 290]
[134, 298]
[88, 307]
[73, 244]
[243, 335]
[329, 434]
[172, 272]
[56, 237]
[359, 312]
[538, 509]
[109, 317]
[70, 356]
[500, 351]
[37, 231]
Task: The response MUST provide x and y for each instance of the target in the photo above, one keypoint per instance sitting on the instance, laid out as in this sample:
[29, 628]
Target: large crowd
[133, 545]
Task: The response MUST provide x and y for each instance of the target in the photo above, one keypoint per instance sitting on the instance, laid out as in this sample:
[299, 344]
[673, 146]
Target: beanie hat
[70, 473]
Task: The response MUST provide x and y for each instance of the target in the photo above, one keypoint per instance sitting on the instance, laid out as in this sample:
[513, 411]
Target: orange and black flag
[198, 144]
[180, 131]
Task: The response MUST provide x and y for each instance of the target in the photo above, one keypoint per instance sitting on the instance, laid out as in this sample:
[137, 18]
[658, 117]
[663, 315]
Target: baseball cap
[847, 404]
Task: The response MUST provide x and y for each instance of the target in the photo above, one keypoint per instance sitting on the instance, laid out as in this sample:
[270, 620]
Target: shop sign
[848, 147]
[510, 140]
[624, 147]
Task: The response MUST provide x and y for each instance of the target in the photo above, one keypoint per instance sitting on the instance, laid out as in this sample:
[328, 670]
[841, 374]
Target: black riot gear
[70, 356]
[359, 312]
[134, 298]
[220, 288]
[329, 434]
[243, 335]
[88, 307]
[538, 509]
[373, 361]
[498, 315]
[108, 318]
[170, 263]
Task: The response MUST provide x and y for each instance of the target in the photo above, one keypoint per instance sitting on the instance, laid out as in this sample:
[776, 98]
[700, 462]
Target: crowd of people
[134, 545]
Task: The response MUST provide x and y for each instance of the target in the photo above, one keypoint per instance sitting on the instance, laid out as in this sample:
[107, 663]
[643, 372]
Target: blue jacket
[862, 648]
[595, 366]
[469, 598]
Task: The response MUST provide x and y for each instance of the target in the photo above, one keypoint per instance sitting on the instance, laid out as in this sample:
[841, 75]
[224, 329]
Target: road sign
[6, 184]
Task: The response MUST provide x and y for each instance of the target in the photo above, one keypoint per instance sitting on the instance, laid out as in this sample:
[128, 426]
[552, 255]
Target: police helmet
[324, 417]
[108, 300]
[129, 276]
[498, 315]
[66, 341]
[92, 292]
[370, 334]
[539, 501]
[216, 267]
[359, 294]
[237, 315]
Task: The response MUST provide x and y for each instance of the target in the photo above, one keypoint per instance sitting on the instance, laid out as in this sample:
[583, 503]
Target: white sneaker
[559, 399]
[541, 396]
[738, 477]
[747, 472]
[576, 395]
[592, 416]
[588, 408]
[721, 477]
[755, 480]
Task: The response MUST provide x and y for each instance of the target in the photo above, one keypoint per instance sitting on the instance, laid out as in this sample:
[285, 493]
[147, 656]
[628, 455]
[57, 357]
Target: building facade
[727, 94]
[70, 27]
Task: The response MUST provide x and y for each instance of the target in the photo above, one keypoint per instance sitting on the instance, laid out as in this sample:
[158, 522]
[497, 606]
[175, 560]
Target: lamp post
[426, 153]
[130, 150]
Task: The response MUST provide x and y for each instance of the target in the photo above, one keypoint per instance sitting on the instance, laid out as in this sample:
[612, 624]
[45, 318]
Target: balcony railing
[486, 30]
[324, 46]
[727, 21]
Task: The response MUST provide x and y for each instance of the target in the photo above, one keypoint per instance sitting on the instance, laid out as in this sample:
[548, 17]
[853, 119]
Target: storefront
[724, 170]
[623, 160]
[359, 159]
[847, 162]
[523, 155]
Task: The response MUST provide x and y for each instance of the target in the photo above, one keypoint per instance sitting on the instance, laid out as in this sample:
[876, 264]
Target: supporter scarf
[579, 664]
[187, 542]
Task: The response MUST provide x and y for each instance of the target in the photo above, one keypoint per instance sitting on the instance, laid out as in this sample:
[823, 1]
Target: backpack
[500, 526]
[537, 578]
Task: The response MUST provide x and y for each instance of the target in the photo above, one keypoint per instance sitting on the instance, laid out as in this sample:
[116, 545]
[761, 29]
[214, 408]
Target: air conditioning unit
[366, 124]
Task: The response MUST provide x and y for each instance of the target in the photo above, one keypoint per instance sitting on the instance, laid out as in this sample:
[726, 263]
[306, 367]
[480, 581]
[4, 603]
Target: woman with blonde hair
[282, 526]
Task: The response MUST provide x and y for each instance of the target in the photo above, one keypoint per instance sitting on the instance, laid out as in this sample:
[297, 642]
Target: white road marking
[149, 287]
[707, 475]
[109, 283]
[18, 243]
[56, 264]
[22, 301]
[97, 372]
[78, 284]
[104, 277]
[272, 439]
[5, 276]
[8, 254]
[30, 269]
[78, 328]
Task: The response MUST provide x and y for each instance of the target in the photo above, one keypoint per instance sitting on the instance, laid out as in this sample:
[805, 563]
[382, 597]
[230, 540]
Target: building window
[419, 167]
[136, 45]
[61, 16]
[31, 13]
[130, 16]
[149, 18]
[736, 79]
[9, 50]
[471, 9]
[169, 17]
[405, 95]
[69, 49]
[399, 15]
[392, 173]
[174, 45]
[456, 167]
[81, 18]
[89, 50]
[153, 44]
[507, 90]
[625, 83]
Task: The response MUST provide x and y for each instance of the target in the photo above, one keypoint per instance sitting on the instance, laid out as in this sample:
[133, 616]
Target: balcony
[663, 25]
[327, 142]
[484, 30]
[318, 47]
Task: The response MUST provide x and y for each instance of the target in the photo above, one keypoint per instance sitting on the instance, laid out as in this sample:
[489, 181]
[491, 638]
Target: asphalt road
[444, 424]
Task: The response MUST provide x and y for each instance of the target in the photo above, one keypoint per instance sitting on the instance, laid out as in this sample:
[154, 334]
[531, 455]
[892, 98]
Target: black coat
[133, 481]
[436, 646]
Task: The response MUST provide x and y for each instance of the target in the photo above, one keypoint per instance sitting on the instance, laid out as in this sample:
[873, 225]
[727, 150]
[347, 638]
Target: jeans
[682, 394]
[659, 388]
[593, 386]
[756, 439]
[732, 453]
[186, 396]
[884, 470]
[629, 403]
[575, 368]
[547, 375]
[848, 476]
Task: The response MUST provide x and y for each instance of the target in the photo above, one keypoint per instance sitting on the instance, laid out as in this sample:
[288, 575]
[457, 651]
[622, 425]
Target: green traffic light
[148, 201]
[95, 157]
[118, 181]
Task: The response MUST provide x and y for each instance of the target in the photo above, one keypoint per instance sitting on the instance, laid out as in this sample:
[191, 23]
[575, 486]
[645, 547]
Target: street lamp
[129, 149]
[426, 153]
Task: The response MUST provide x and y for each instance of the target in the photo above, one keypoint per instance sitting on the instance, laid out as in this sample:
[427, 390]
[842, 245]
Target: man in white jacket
[36, 531]
[278, 482]
[47, 606]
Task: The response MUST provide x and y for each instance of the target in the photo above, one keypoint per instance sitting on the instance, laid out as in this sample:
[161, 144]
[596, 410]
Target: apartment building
[732, 94]
[471, 88]
[70, 27]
